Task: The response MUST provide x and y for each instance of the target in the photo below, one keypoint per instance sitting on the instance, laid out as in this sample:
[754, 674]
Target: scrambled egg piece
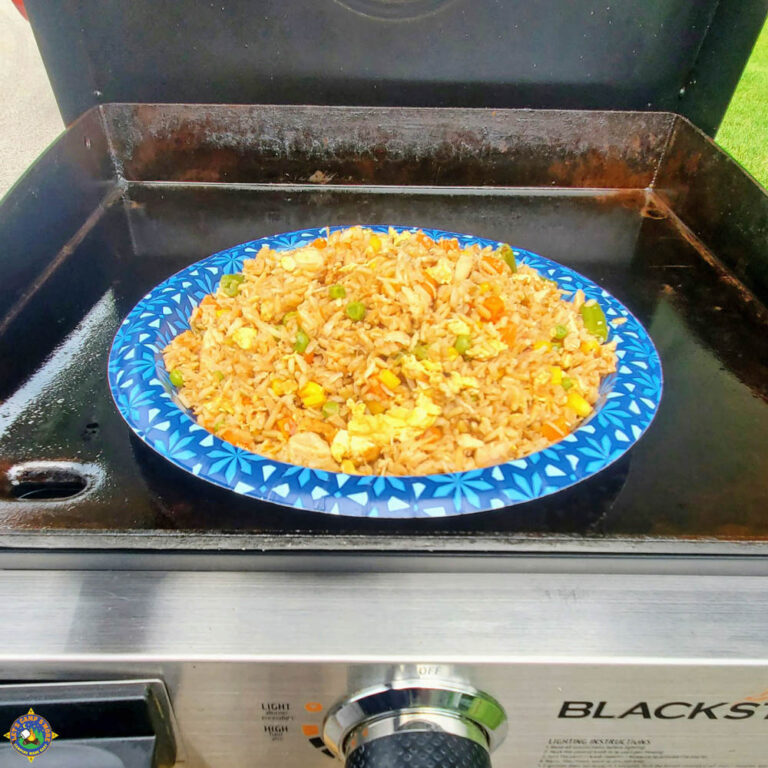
[422, 369]
[485, 349]
[442, 271]
[354, 447]
[366, 433]
[459, 327]
[309, 260]
[457, 382]
[245, 337]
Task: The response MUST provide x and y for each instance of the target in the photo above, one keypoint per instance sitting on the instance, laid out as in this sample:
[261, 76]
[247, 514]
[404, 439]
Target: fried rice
[390, 353]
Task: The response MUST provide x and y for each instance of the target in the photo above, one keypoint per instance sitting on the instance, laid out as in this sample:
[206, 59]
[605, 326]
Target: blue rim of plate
[141, 389]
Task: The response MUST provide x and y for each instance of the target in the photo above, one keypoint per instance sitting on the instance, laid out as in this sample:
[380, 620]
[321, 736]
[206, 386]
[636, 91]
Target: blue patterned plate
[144, 396]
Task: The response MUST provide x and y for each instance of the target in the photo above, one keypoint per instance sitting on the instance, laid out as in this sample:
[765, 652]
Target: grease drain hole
[47, 480]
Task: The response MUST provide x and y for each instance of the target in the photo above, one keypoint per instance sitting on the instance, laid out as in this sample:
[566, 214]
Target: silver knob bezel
[409, 698]
[414, 721]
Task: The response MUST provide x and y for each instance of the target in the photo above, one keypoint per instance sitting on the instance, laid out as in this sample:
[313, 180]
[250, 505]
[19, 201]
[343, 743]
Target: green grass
[744, 132]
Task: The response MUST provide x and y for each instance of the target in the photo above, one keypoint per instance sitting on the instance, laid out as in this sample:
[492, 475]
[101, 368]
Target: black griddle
[642, 203]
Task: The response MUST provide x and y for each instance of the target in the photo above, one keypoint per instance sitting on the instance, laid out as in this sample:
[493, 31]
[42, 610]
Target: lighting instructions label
[682, 731]
[651, 753]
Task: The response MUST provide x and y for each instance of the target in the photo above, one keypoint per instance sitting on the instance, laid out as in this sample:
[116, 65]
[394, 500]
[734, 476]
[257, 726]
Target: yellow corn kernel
[485, 287]
[556, 374]
[589, 345]
[348, 466]
[452, 353]
[288, 263]
[219, 312]
[375, 243]
[579, 404]
[375, 407]
[389, 379]
[312, 394]
[542, 345]
[245, 337]
[283, 386]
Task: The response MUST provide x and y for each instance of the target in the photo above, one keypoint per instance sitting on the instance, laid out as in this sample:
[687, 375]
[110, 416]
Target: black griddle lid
[668, 55]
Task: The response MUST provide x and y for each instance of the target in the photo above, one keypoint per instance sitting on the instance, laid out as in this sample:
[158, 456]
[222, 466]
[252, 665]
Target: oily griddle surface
[699, 472]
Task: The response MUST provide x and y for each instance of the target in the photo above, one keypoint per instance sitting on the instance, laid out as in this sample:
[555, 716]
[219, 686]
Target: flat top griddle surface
[699, 473]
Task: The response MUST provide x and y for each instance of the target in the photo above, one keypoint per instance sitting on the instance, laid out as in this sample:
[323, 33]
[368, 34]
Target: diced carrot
[376, 389]
[238, 437]
[495, 307]
[554, 430]
[508, 334]
[320, 243]
[328, 431]
[424, 240]
[286, 426]
[433, 433]
[449, 244]
[309, 357]
[495, 264]
[209, 300]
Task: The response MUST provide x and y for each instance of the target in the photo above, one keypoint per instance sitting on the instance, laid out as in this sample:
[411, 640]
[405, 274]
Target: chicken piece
[469, 442]
[309, 261]
[308, 449]
[463, 266]
[492, 453]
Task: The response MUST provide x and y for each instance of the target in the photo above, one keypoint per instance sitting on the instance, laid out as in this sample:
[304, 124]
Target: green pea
[230, 284]
[330, 408]
[302, 342]
[219, 375]
[177, 378]
[463, 343]
[356, 311]
[560, 332]
[566, 383]
[288, 316]
[508, 255]
[420, 352]
[337, 291]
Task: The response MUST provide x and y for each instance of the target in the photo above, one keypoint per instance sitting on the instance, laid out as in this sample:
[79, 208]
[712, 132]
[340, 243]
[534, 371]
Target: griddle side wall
[719, 202]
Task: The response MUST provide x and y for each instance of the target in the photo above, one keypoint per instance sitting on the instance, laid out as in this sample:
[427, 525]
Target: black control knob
[426, 749]
[413, 725]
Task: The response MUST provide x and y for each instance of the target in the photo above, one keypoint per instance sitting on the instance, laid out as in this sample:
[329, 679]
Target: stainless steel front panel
[253, 661]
